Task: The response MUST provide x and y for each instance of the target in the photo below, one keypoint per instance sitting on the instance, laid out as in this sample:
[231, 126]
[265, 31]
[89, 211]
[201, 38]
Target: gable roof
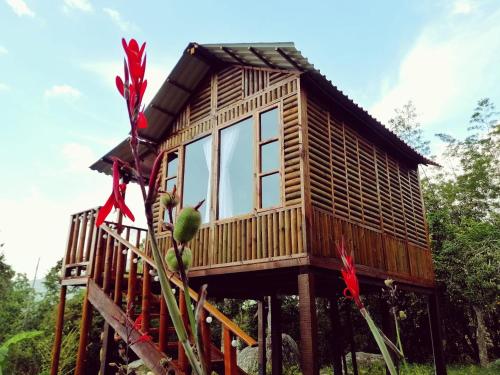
[198, 60]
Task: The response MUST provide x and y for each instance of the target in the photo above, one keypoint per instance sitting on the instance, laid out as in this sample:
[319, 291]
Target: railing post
[90, 242]
[206, 339]
[230, 365]
[74, 238]
[81, 239]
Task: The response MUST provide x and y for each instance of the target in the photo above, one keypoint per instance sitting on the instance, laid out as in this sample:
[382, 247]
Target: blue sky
[60, 110]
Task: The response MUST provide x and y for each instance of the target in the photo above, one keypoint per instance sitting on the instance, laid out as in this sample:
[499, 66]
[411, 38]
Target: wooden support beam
[234, 56]
[261, 332]
[261, 58]
[84, 333]
[436, 335]
[289, 59]
[276, 340]
[56, 349]
[164, 322]
[163, 110]
[308, 324]
[337, 337]
[352, 346]
[179, 86]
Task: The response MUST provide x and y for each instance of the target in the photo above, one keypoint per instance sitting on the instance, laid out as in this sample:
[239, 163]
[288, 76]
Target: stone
[365, 359]
[248, 358]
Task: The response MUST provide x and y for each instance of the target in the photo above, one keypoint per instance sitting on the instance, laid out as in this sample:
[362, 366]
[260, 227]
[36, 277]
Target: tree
[463, 214]
[406, 125]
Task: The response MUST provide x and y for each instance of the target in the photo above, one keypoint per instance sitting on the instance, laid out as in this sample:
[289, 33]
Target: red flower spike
[349, 275]
[116, 199]
[119, 85]
[142, 121]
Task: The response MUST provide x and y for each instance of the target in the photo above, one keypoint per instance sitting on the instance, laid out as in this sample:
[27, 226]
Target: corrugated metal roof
[198, 59]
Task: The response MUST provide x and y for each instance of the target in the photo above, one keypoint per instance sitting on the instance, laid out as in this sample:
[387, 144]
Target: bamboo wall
[226, 97]
[362, 193]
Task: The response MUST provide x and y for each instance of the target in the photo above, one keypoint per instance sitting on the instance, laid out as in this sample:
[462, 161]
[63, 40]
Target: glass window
[197, 172]
[270, 190]
[236, 183]
[171, 178]
[269, 124]
[269, 157]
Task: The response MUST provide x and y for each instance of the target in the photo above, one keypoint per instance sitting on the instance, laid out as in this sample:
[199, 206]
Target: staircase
[121, 282]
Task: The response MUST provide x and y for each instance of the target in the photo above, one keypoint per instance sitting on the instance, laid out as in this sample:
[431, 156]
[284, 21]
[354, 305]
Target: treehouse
[288, 167]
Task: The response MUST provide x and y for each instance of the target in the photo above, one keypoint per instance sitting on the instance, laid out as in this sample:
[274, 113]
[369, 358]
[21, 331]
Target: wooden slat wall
[358, 189]
[264, 236]
[234, 93]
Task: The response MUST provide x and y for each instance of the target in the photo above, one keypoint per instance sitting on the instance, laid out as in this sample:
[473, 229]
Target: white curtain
[207, 151]
[229, 138]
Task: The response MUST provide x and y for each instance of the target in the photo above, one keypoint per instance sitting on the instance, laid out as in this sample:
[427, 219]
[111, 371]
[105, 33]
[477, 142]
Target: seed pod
[171, 259]
[169, 200]
[187, 224]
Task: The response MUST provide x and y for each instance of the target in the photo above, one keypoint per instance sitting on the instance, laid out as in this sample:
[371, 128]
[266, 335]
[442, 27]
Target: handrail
[224, 320]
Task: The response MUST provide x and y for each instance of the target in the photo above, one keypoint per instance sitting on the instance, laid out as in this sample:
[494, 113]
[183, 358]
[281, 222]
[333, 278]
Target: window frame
[259, 144]
[165, 178]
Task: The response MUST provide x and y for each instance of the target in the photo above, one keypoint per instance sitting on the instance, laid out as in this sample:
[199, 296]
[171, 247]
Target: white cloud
[117, 19]
[83, 5]
[448, 69]
[66, 91]
[4, 87]
[463, 7]
[108, 70]
[20, 8]
[77, 156]
[3, 50]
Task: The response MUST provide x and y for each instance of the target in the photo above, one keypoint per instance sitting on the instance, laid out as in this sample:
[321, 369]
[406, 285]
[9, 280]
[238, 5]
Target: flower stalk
[351, 291]
[132, 89]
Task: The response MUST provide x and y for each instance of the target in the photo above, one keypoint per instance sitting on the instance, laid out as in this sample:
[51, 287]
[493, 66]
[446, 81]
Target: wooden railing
[264, 236]
[133, 252]
[116, 258]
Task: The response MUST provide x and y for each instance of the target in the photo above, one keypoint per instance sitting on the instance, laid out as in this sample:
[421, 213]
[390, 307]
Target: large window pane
[236, 169]
[197, 172]
[172, 164]
[269, 124]
[270, 190]
[269, 157]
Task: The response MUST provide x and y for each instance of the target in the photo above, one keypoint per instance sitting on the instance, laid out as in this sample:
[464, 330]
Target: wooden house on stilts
[288, 165]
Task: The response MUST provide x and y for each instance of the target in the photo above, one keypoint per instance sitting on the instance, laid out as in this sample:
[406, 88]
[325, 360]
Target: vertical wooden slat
[308, 324]
[56, 348]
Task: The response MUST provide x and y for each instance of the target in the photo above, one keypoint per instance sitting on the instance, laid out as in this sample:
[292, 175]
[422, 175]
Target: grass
[378, 369]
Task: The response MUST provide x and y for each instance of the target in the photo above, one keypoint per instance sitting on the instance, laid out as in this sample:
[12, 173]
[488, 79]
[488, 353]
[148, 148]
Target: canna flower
[349, 275]
[116, 199]
[133, 86]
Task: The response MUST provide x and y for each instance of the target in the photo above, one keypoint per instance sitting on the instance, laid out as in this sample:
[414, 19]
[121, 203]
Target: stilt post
[436, 335]
[276, 341]
[308, 324]
[84, 334]
[261, 334]
[56, 349]
[336, 337]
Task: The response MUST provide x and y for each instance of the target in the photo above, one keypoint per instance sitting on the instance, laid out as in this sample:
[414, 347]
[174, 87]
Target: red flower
[349, 275]
[116, 199]
[134, 85]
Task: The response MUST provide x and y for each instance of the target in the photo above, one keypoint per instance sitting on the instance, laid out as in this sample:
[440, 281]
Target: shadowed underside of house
[288, 167]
